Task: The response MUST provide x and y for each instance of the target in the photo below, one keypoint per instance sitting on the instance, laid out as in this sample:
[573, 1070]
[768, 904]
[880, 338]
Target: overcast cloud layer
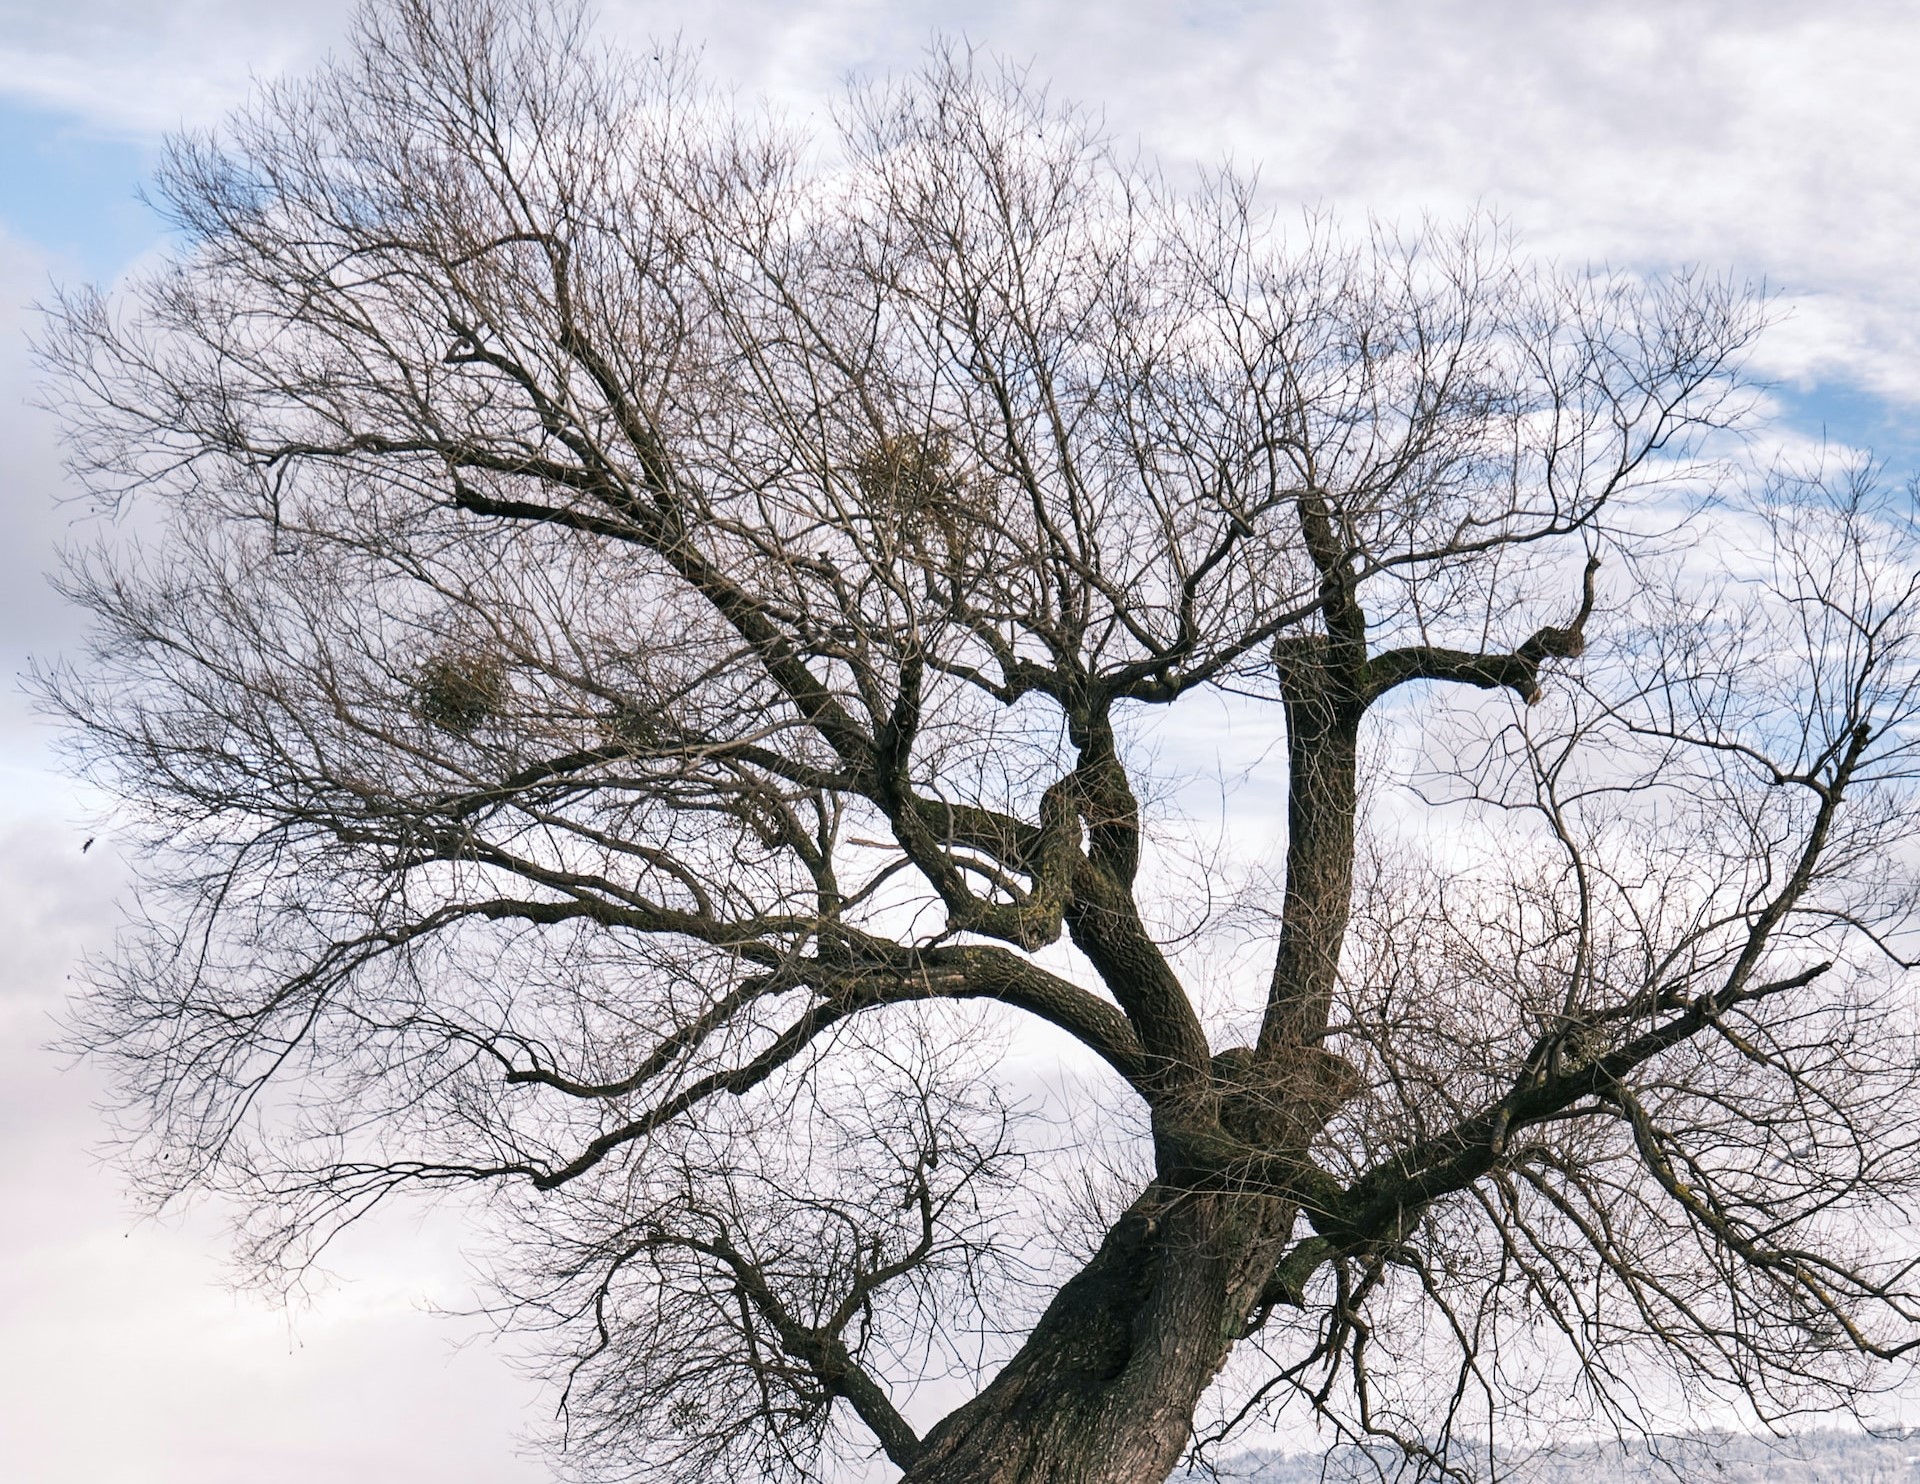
[1777, 141]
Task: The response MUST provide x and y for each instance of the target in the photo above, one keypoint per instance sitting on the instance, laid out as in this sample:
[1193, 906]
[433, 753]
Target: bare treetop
[637, 693]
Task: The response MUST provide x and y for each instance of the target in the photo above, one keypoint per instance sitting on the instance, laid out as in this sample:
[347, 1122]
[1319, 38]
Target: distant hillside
[1711, 1458]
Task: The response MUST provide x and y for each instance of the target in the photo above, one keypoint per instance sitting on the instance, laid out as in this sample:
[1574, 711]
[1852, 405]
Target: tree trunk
[1104, 1390]
[1323, 737]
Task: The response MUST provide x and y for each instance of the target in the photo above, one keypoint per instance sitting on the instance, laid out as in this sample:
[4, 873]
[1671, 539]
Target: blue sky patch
[73, 191]
[1851, 416]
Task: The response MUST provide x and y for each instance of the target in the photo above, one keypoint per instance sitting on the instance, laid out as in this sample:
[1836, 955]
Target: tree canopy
[644, 692]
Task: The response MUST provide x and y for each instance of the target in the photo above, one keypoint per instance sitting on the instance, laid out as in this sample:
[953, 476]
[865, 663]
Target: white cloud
[1773, 138]
[129, 67]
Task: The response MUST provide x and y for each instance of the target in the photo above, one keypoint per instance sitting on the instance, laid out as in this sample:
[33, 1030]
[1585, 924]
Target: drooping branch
[888, 977]
[819, 1348]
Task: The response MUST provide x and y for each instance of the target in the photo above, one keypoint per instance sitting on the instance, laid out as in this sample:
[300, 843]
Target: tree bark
[1104, 1389]
[1324, 705]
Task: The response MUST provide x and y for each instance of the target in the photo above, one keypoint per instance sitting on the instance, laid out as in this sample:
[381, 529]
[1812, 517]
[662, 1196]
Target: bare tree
[641, 696]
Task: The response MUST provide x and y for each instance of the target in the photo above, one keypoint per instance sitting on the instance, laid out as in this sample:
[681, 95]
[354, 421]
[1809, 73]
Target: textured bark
[1104, 1390]
[1324, 707]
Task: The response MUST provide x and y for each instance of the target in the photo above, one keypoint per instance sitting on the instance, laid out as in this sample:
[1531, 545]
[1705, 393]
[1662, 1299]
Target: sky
[1777, 142]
